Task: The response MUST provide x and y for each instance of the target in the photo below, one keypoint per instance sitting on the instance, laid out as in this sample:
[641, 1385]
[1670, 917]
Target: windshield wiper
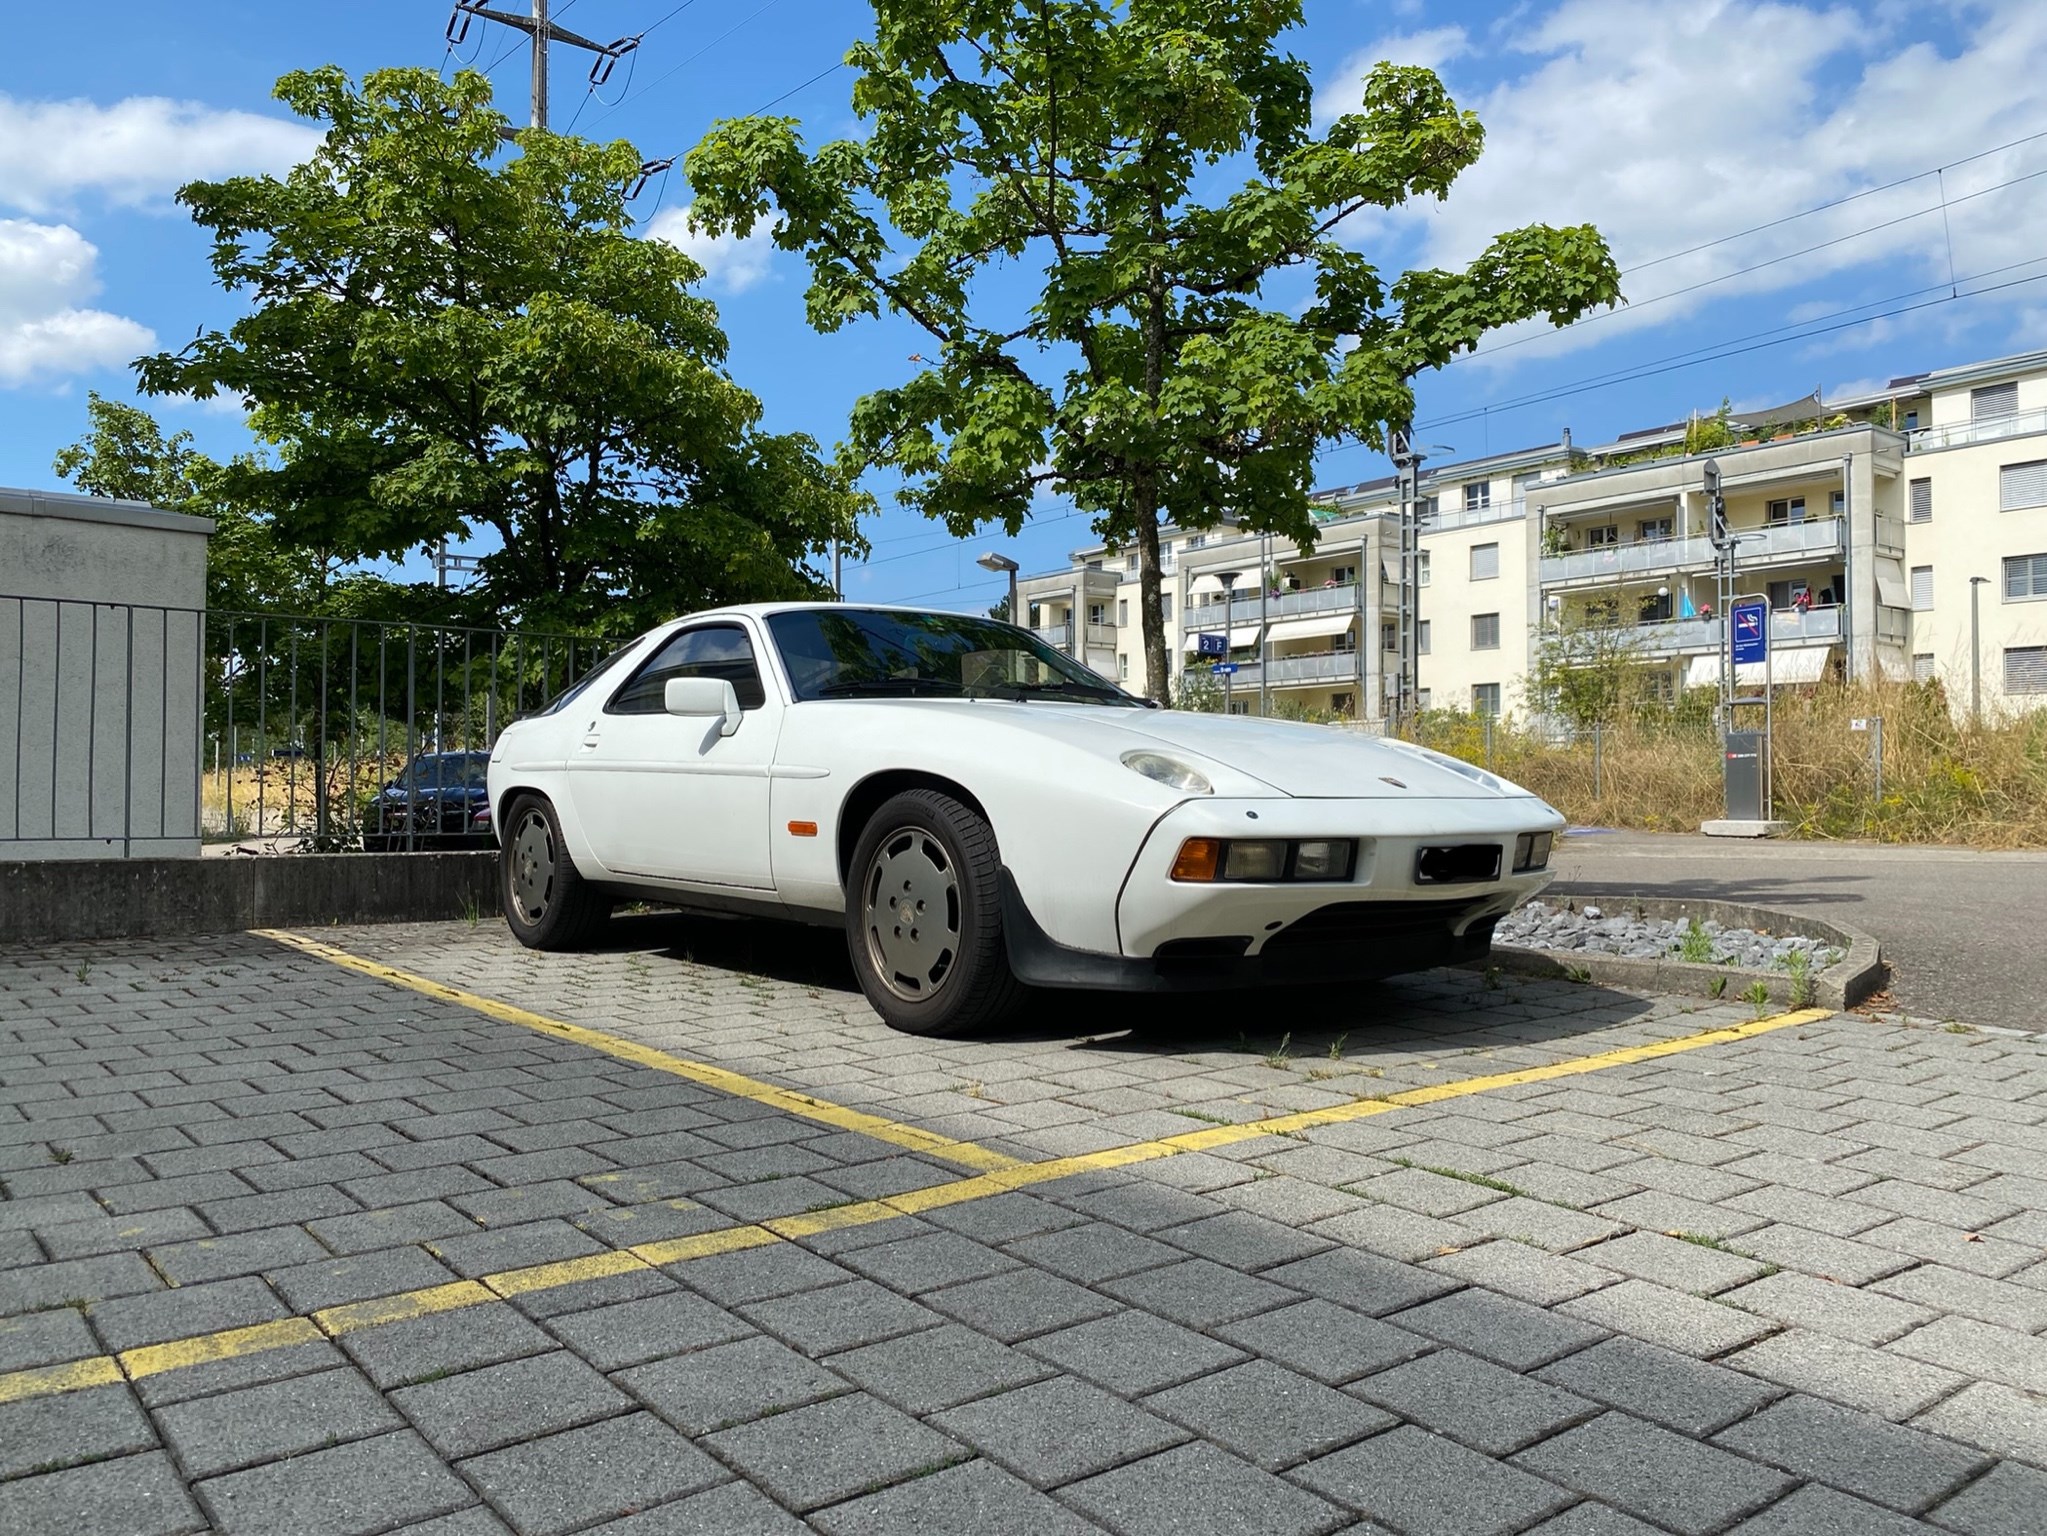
[884, 686]
[1090, 692]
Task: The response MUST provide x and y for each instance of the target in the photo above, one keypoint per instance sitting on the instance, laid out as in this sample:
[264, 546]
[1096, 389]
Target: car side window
[714, 650]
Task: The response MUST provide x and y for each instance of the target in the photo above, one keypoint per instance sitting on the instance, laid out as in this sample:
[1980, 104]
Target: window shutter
[2025, 669]
[1922, 501]
[1922, 667]
[2025, 576]
[1485, 561]
[2022, 485]
[1485, 631]
[1993, 400]
[1922, 588]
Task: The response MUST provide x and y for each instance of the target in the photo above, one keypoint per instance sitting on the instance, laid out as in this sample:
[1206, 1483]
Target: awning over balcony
[1890, 583]
[1240, 637]
[1202, 585]
[1319, 627]
[1805, 664]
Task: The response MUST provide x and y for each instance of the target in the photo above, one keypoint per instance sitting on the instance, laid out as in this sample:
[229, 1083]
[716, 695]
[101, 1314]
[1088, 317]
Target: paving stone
[293, 1207]
[927, 1261]
[1592, 1520]
[729, 1384]
[484, 1409]
[1997, 1418]
[282, 1418]
[573, 1479]
[134, 1495]
[1952, 1290]
[1981, 1350]
[46, 1433]
[1395, 1233]
[975, 1497]
[1320, 1339]
[1005, 1218]
[537, 1242]
[1475, 1402]
[332, 1282]
[1802, 1208]
[105, 1276]
[473, 1521]
[734, 1509]
[1542, 1224]
[1847, 1312]
[1424, 1485]
[421, 1222]
[1056, 1431]
[1884, 1383]
[1522, 1271]
[397, 1354]
[1816, 1511]
[1020, 1304]
[1132, 1353]
[1143, 1206]
[1095, 1252]
[1505, 1331]
[1363, 1282]
[634, 1332]
[758, 1274]
[1197, 1490]
[839, 1317]
[131, 1321]
[43, 1338]
[2006, 1501]
[1680, 1393]
[1199, 1293]
[941, 1368]
[218, 1258]
[1673, 1263]
[343, 1490]
[190, 1382]
[1268, 1415]
[1670, 1318]
[1815, 1253]
[1857, 1453]
[1664, 1478]
[1427, 1192]
[830, 1451]
[117, 1234]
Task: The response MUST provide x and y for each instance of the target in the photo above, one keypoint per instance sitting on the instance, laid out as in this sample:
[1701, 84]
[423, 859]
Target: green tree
[1157, 366]
[1586, 669]
[443, 340]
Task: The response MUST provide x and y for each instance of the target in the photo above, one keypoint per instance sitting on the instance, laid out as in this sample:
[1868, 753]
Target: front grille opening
[1223, 947]
[1457, 864]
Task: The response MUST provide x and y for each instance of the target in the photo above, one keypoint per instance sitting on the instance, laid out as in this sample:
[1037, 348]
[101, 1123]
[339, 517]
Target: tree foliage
[444, 340]
[1158, 368]
[1586, 669]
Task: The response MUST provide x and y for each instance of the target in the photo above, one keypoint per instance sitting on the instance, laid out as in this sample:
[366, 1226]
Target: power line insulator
[458, 25]
[649, 169]
[607, 60]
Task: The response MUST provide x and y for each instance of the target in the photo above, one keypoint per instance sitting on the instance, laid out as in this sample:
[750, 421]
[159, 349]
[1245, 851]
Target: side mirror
[703, 698]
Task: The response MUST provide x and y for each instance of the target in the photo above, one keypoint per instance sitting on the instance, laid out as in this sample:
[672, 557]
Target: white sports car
[982, 813]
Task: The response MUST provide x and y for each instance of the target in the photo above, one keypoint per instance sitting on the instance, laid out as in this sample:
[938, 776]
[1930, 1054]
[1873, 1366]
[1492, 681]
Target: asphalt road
[1962, 929]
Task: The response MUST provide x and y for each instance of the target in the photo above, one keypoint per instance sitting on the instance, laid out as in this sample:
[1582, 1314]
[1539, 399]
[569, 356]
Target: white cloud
[135, 152]
[46, 271]
[1672, 126]
[730, 264]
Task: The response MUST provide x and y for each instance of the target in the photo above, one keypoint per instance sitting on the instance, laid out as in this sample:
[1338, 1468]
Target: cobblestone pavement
[287, 1247]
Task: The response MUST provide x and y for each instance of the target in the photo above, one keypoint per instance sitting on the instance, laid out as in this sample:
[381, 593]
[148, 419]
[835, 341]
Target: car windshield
[840, 653]
[449, 770]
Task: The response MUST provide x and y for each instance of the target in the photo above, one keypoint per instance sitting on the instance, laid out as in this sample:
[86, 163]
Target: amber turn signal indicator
[803, 829]
[1199, 859]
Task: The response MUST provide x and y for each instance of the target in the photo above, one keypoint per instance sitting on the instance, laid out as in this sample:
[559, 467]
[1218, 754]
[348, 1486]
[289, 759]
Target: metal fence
[144, 730]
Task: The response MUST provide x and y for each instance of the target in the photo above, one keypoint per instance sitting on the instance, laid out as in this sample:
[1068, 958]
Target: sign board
[1224, 669]
[1751, 632]
[1212, 643]
[1859, 723]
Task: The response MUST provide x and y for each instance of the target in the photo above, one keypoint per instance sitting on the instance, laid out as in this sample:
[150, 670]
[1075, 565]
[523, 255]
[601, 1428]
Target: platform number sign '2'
[1751, 632]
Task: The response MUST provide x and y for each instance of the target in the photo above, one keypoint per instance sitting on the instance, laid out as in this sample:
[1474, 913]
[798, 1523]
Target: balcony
[1787, 627]
[1281, 671]
[1471, 517]
[1058, 636]
[1771, 544]
[1959, 434]
[1245, 609]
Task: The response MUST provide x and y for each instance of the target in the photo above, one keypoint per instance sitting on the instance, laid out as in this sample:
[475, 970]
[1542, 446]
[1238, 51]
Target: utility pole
[1406, 690]
[543, 32]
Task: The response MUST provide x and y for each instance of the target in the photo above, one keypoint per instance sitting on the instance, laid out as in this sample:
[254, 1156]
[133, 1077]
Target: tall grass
[1944, 781]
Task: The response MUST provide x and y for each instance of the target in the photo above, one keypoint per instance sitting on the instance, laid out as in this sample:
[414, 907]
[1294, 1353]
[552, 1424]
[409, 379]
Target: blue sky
[1673, 126]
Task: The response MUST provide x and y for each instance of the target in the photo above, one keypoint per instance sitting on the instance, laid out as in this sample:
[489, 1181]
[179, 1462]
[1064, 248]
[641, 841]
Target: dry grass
[1943, 782]
[282, 795]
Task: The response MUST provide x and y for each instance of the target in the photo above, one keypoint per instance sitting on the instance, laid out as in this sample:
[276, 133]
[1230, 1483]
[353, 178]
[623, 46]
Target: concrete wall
[101, 638]
[43, 900]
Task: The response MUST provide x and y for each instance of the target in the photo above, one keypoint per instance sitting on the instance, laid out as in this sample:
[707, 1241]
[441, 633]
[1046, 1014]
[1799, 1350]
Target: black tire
[546, 903]
[942, 969]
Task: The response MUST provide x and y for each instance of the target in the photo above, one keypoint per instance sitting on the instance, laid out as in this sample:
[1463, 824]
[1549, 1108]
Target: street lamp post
[1002, 563]
[1229, 581]
[1976, 585]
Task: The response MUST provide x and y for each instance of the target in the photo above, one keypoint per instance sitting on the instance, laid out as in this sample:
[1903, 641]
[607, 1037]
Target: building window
[1478, 496]
[1652, 530]
[1654, 608]
[1421, 637]
[1837, 504]
[1790, 511]
[1098, 613]
[2022, 485]
[1421, 698]
[1122, 667]
[1485, 631]
[1922, 667]
[1343, 703]
[1389, 637]
[1240, 706]
[1130, 562]
[2025, 576]
[1166, 556]
[2025, 669]
[1922, 501]
[1122, 612]
[1421, 567]
[1993, 400]
[1425, 511]
[1485, 698]
[1166, 606]
[1911, 421]
[1922, 589]
[1344, 575]
[1195, 541]
[1485, 562]
[1600, 538]
[1094, 565]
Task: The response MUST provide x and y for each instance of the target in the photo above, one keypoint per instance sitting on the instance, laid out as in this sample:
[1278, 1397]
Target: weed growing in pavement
[472, 910]
[1336, 1047]
[83, 972]
[1492, 978]
[1697, 946]
[1577, 973]
[1280, 1059]
[971, 1090]
[1483, 1181]
[1717, 989]
[1798, 966]
[829, 1205]
[61, 1154]
[1956, 1027]
[1322, 1074]
[1701, 1240]
[1757, 996]
[1200, 1114]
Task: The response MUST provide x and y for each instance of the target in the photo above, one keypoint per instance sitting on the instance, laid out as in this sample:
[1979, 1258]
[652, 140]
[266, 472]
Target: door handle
[589, 743]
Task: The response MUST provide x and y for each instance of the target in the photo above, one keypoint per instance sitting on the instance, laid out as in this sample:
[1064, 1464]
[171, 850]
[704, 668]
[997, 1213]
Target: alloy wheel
[532, 852]
[912, 901]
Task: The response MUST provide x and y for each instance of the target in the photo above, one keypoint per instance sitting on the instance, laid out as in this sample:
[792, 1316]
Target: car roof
[765, 610]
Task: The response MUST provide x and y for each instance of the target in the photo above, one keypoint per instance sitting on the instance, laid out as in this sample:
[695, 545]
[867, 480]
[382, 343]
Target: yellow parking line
[333, 1322]
[966, 1153]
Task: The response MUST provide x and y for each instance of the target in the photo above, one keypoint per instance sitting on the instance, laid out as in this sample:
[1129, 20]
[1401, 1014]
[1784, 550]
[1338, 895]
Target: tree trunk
[1144, 489]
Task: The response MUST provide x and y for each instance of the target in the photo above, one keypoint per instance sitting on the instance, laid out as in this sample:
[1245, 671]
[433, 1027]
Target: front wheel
[547, 904]
[924, 917]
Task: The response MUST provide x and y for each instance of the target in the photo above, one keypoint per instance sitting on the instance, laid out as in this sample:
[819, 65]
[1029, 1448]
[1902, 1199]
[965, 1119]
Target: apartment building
[1884, 531]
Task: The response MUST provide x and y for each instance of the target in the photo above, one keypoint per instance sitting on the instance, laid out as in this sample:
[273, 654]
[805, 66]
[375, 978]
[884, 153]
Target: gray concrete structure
[102, 631]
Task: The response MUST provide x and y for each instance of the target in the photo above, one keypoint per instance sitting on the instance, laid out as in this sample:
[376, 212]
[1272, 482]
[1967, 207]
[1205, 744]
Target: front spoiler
[1038, 960]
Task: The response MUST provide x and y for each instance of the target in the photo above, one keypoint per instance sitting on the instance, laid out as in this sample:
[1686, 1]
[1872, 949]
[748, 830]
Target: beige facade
[1863, 526]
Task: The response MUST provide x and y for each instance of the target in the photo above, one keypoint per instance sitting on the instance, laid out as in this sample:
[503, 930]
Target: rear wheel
[924, 917]
[547, 904]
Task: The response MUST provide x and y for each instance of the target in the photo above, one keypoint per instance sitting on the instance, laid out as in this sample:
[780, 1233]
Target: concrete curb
[58, 899]
[1859, 974]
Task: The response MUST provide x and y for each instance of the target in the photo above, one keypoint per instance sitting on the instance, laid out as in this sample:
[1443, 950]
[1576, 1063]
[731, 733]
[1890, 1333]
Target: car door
[671, 797]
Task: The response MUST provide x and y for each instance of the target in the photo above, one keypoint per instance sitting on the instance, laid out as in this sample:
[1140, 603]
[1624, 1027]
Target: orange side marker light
[803, 829]
[1199, 859]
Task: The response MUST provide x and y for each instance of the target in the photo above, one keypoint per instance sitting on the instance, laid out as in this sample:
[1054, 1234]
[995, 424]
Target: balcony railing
[1101, 634]
[1245, 607]
[1328, 667]
[1471, 517]
[1788, 626]
[1772, 542]
[1058, 635]
[1960, 434]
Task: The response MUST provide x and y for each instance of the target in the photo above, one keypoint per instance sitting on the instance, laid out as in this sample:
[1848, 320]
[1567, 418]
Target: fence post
[1488, 741]
[1597, 786]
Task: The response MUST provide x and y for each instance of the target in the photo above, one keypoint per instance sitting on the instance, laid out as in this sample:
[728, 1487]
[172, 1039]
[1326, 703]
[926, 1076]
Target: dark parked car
[440, 802]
